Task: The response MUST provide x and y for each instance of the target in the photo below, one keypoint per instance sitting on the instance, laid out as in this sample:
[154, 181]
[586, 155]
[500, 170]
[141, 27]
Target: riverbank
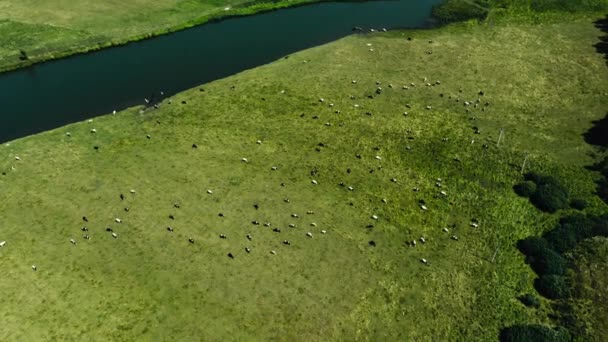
[47, 35]
[380, 123]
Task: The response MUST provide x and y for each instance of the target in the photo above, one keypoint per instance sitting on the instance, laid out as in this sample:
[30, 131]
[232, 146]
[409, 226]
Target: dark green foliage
[533, 245]
[458, 10]
[550, 262]
[568, 5]
[23, 55]
[530, 300]
[578, 204]
[553, 286]
[525, 188]
[534, 333]
[550, 195]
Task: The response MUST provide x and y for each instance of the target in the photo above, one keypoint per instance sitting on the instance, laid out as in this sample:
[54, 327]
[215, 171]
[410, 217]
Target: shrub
[457, 10]
[552, 286]
[578, 204]
[550, 196]
[550, 262]
[530, 300]
[525, 188]
[533, 245]
[536, 333]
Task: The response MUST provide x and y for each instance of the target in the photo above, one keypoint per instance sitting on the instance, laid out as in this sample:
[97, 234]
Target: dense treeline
[535, 332]
[545, 254]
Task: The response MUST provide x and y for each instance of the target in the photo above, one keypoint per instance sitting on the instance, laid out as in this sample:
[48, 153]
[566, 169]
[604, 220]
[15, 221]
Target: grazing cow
[422, 239]
[84, 229]
[114, 235]
[267, 224]
[375, 217]
[309, 234]
[273, 252]
[118, 220]
[291, 225]
[126, 208]
[222, 236]
[132, 191]
[310, 212]
[313, 224]
[230, 256]
[445, 230]
[191, 240]
[394, 180]
[172, 217]
[370, 226]
[314, 182]
[372, 243]
[194, 146]
[323, 231]
[255, 223]
[277, 230]
[274, 168]
[247, 249]
[423, 207]
[87, 237]
[209, 192]
[108, 229]
[177, 205]
[249, 237]
[384, 200]
[424, 261]
[72, 241]
[85, 219]
[170, 228]
[286, 200]
[286, 242]
[244, 160]
[220, 214]
[34, 267]
[454, 237]
[295, 215]
[350, 188]
[256, 206]
[2, 243]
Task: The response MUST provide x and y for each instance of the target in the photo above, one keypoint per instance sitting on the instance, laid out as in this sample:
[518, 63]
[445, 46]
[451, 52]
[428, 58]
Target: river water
[55, 93]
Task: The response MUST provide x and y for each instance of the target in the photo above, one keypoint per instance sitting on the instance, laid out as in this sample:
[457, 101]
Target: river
[55, 93]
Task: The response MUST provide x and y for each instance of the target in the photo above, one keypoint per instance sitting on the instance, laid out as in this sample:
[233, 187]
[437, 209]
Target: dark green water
[56, 93]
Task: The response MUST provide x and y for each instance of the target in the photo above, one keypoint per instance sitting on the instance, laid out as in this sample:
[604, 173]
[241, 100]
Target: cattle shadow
[602, 45]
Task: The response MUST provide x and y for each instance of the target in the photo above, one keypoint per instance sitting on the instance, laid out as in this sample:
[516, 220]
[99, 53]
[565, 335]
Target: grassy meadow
[542, 82]
[57, 28]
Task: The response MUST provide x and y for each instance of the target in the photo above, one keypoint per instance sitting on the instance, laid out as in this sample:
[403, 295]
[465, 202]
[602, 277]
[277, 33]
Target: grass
[58, 28]
[544, 82]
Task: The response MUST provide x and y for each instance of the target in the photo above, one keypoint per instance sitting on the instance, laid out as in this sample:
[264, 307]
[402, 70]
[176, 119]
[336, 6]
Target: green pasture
[544, 83]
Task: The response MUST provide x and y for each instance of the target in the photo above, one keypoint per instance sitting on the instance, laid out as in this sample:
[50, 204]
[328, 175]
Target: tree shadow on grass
[598, 133]
[602, 45]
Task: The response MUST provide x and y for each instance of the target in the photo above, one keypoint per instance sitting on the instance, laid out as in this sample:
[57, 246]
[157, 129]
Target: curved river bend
[56, 93]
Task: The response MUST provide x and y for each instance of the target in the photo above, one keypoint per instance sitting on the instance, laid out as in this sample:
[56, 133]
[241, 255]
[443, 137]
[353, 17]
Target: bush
[550, 262]
[530, 300]
[534, 333]
[552, 286]
[525, 189]
[578, 204]
[457, 10]
[533, 245]
[550, 196]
